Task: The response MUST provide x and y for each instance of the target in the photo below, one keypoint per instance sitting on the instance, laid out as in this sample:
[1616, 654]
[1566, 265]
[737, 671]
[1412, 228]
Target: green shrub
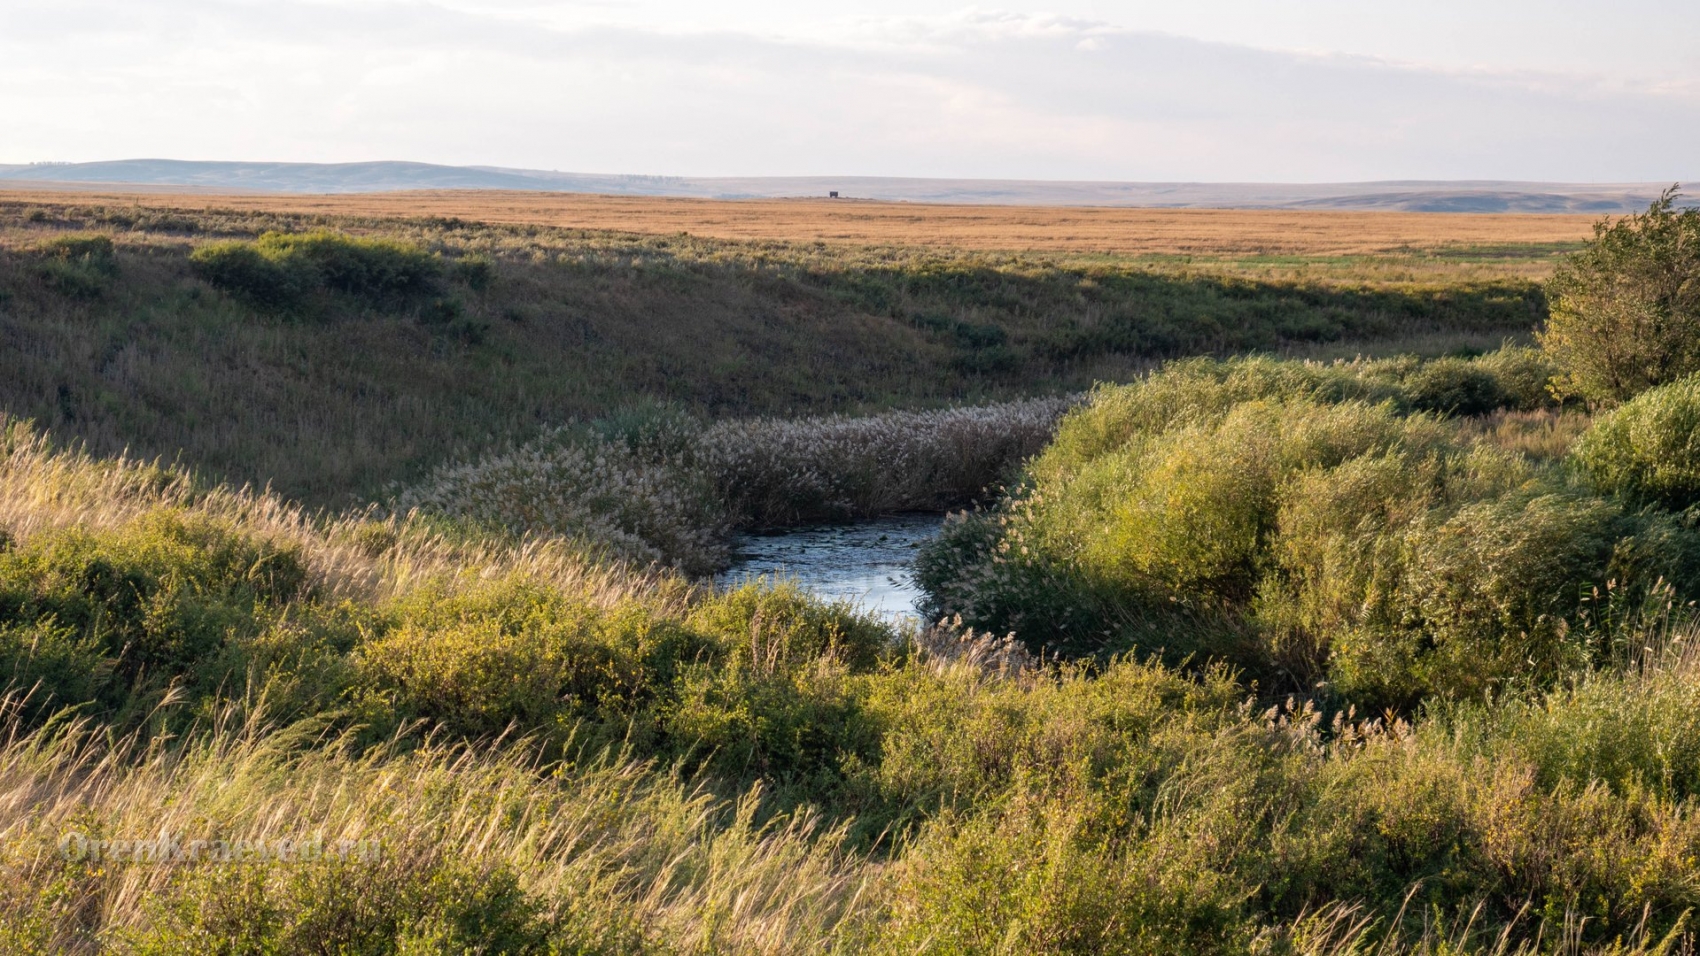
[1454, 386]
[379, 271]
[79, 267]
[1485, 598]
[513, 655]
[1337, 556]
[1648, 451]
[778, 626]
[161, 598]
[242, 270]
[775, 701]
[751, 679]
[95, 250]
[977, 568]
[1625, 311]
[1133, 518]
[477, 271]
[797, 724]
[1305, 540]
[1037, 877]
[1631, 732]
[1200, 390]
[403, 903]
[279, 270]
[1524, 375]
[54, 666]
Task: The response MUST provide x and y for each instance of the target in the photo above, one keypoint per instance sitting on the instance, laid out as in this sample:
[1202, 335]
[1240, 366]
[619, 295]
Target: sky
[1183, 90]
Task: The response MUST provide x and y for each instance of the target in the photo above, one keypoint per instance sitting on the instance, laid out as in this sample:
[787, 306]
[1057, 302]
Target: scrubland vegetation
[1243, 655]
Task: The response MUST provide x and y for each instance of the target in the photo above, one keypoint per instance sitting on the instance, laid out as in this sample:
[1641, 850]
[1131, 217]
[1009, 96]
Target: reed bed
[663, 488]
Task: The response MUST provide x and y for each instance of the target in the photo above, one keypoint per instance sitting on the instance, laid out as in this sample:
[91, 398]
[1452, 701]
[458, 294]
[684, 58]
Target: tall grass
[460, 850]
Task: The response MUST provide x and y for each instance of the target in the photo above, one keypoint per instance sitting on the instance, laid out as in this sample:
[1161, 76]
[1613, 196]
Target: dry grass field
[1119, 231]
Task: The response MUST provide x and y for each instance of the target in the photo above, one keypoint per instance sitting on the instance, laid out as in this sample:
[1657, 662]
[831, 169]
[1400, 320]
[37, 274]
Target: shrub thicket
[279, 270]
[1307, 524]
[112, 617]
[1648, 451]
[78, 266]
[1625, 311]
[1454, 386]
[1524, 376]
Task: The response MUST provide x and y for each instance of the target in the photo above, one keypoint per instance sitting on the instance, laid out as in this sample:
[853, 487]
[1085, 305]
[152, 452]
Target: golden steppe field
[1116, 231]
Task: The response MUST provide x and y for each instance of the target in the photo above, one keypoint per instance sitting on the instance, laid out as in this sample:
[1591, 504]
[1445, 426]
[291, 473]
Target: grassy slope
[578, 323]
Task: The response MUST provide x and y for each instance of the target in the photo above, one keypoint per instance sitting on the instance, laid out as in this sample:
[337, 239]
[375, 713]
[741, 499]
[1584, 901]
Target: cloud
[975, 93]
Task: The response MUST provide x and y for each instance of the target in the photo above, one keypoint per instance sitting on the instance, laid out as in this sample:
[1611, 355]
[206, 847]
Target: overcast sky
[1198, 90]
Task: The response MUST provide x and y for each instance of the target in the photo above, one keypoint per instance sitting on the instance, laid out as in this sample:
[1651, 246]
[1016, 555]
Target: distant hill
[1404, 196]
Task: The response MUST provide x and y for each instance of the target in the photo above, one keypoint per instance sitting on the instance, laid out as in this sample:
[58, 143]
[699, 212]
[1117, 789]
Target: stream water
[868, 563]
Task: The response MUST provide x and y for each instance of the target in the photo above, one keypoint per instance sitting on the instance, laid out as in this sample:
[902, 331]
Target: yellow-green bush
[1648, 451]
[407, 902]
[1524, 376]
[1260, 514]
[78, 266]
[1625, 309]
[518, 657]
[165, 598]
[1454, 386]
[278, 270]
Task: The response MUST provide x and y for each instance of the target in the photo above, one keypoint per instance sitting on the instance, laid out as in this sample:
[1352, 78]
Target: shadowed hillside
[113, 334]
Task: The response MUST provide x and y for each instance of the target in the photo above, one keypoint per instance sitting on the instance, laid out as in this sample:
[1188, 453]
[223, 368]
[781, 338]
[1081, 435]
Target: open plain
[1121, 231]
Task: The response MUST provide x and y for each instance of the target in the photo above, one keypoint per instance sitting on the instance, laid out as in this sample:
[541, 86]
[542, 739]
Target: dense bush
[1648, 451]
[749, 682]
[477, 271]
[78, 266]
[376, 270]
[516, 656]
[396, 905]
[242, 270]
[1625, 311]
[1454, 386]
[1524, 376]
[279, 270]
[98, 617]
[1491, 596]
[1268, 515]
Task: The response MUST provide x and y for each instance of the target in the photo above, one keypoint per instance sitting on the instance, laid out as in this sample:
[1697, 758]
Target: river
[868, 563]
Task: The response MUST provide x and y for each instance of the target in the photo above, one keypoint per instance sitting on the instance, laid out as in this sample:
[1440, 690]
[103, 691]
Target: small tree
[1625, 310]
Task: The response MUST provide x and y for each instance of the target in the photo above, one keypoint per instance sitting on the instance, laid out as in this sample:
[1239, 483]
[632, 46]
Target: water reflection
[869, 562]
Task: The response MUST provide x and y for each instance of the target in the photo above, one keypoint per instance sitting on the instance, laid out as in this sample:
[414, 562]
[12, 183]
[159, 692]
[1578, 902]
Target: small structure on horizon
[832, 195]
